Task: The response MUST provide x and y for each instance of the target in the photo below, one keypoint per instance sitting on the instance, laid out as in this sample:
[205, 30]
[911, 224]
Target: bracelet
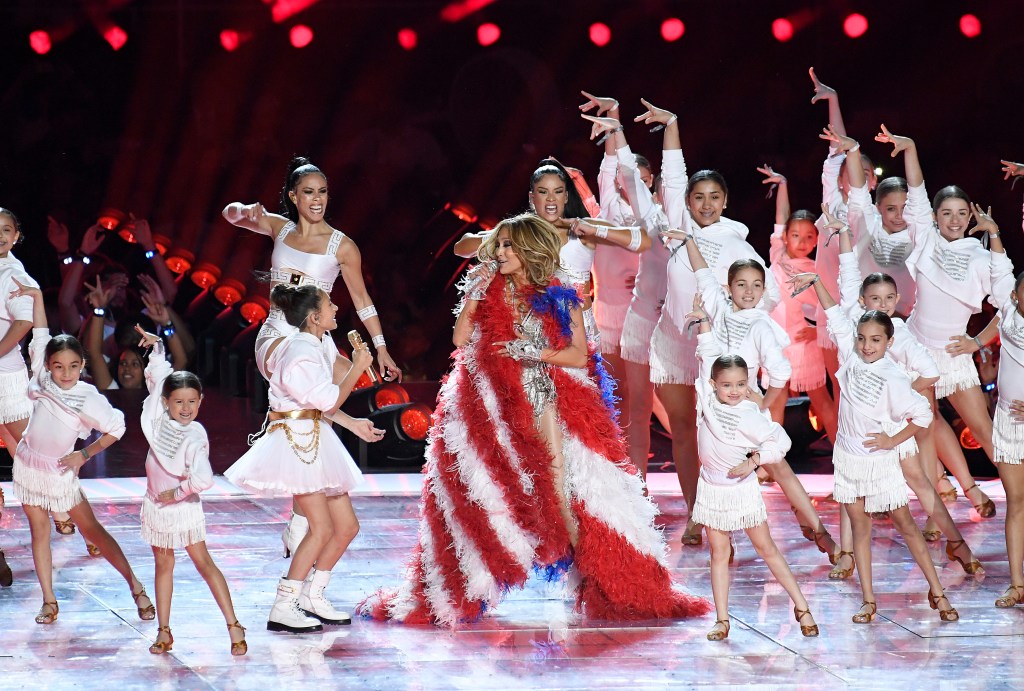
[150, 254]
[994, 235]
[750, 455]
[366, 312]
[636, 237]
[81, 255]
[671, 120]
[601, 232]
[855, 147]
[800, 290]
[523, 350]
[99, 311]
[978, 341]
[168, 330]
[68, 259]
[85, 452]
[378, 341]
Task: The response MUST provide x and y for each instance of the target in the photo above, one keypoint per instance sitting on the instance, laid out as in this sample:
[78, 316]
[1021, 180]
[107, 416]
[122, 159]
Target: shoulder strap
[334, 243]
[285, 229]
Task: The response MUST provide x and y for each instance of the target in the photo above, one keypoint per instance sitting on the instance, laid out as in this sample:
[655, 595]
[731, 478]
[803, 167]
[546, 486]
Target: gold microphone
[357, 342]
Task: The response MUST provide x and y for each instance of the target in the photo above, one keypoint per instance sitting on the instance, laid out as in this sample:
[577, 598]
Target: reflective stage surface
[533, 641]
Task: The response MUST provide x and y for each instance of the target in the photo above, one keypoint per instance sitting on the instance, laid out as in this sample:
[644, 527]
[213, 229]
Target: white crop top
[576, 261]
[295, 267]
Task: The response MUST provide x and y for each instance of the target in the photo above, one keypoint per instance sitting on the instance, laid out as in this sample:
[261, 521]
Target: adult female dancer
[525, 465]
[308, 251]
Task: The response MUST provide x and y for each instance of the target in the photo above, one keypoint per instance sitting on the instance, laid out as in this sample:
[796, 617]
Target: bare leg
[1013, 481]
[778, 408]
[825, 409]
[914, 474]
[206, 567]
[94, 533]
[861, 524]
[721, 548]
[550, 431]
[766, 548]
[680, 404]
[831, 367]
[641, 405]
[845, 561]
[904, 522]
[42, 557]
[346, 527]
[321, 530]
[164, 589]
[972, 406]
[807, 515]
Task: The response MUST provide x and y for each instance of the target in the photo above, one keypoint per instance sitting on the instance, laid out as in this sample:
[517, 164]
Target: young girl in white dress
[46, 462]
[878, 411]
[734, 438]
[177, 470]
[301, 455]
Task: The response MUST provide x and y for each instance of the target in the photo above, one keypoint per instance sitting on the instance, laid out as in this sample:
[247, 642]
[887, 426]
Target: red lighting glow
[205, 274]
[970, 26]
[488, 34]
[463, 212]
[782, 30]
[390, 394]
[855, 25]
[283, 9]
[968, 441]
[255, 309]
[415, 421]
[229, 291]
[600, 34]
[300, 35]
[364, 381]
[162, 242]
[115, 36]
[230, 39]
[408, 39]
[111, 218]
[41, 43]
[457, 11]
[672, 29]
[179, 261]
[127, 233]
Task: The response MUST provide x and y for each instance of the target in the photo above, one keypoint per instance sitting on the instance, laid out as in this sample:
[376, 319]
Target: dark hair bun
[295, 301]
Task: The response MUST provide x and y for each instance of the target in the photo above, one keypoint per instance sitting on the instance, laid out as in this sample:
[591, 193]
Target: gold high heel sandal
[932, 535]
[947, 496]
[987, 508]
[694, 539]
[824, 536]
[48, 617]
[840, 574]
[147, 613]
[64, 527]
[972, 567]
[240, 647]
[161, 647]
[1013, 595]
[863, 617]
[92, 549]
[720, 631]
[949, 614]
[808, 631]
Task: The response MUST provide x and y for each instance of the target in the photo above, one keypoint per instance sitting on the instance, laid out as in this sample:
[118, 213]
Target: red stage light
[230, 40]
[672, 29]
[229, 291]
[855, 25]
[115, 36]
[364, 381]
[390, 394]
[283, 9]
[162, 242]
[600, 34]
[111, 218]
[179, 261]
[41, 43]
[970, 26]
[457, 11]
[782, 30]
[488, 34]
[408, 39]
[301, 35]
[463, 212]
[205, 275]
[255, 309]
[127, 233]
[415, 421]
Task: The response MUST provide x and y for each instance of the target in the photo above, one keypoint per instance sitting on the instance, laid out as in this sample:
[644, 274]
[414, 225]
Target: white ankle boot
[313, 602]
[294, 531]
[286, 615]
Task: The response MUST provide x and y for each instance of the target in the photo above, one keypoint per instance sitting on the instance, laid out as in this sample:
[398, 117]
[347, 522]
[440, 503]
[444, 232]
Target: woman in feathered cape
[526, 469]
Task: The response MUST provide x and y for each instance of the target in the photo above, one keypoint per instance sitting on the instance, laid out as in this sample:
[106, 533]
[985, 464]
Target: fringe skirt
[14, 402]
[635, 341]
[173, 525]
[38, 481]
[610, 321]
[956, 373]
[877, 478]
[808, 364]
[729, 507]
[1007, 438]
[673, 355]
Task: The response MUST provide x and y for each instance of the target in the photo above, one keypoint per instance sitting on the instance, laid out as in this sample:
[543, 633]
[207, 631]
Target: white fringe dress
[725, 435]
[59, 418]
[1007, 433]
[14, 402]
[877, 397]
[178, 459]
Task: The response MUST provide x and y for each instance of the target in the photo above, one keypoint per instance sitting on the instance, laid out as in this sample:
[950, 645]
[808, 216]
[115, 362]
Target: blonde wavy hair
[536, 242]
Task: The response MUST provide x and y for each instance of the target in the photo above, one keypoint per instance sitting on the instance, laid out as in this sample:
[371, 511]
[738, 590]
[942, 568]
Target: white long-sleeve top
[13, 309]
[905, 349]
[651, 279]
[1011, 333]
[614, 267]
[179, 455]
[301, 375]
[752, 334]
[721, 244]
[62, 416]
[877, 396]
[727, 433]
[826, 257]
[953, 278]
[792, 313]
[878, 250]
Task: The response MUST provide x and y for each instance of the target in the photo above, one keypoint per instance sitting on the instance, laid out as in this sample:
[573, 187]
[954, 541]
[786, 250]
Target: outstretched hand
[899, 143]
[831, 221]
[801, 281]
[24, 290]
[821, 91]
[146, 339]
[770, 176]
[698, 312]
[604, 104]
[653, 114]
[1011, 169]
[58, 235]
[983, 220]
[601, 125]
[98, 296]
[841, 143]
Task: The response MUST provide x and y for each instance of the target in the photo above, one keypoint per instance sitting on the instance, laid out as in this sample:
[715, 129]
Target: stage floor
[532, 641]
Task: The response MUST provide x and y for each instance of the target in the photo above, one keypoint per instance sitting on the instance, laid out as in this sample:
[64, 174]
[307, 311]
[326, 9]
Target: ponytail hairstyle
[297, 302]
[16, 222]
[574, 207]
[875, 279]
[724, 362]
[707, 174]
[299, 167]
[741, 264]
[181, 379]
[802, 215]
[877, 317]
[949, 192]
[61, 343]
[889, 186]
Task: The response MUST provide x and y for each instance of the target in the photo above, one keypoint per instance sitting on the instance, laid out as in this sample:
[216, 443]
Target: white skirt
[673, 355]
[956, 373]
[729, 507]
[14, 402]
[271, 466]
[610, 320]
[38, 481]
[878, 479]
[808, 365]
[179, 524]
[635, 341]
[1007, 438]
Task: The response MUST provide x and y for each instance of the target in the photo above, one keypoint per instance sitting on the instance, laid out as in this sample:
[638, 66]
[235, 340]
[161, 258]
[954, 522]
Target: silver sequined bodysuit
[540, 390]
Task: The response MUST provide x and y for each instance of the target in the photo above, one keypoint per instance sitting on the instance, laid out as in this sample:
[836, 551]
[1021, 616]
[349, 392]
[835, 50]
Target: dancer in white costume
[177, 470]
[300, 454]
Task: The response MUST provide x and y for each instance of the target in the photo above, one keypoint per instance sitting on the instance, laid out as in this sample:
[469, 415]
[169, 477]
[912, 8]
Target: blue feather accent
[554, 571]
[557, 301]
[607, 384]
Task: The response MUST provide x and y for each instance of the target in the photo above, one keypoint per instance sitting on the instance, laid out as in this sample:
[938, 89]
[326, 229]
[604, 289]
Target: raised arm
[468, 245]
[253, 217]
[352, 272]
[70, 319]
[98, 298]
[474, 289]
[144, 236]
[907, 146]
[156, 306]
[843, 144]
[782, 209]
[605, 107]
[827, 93]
